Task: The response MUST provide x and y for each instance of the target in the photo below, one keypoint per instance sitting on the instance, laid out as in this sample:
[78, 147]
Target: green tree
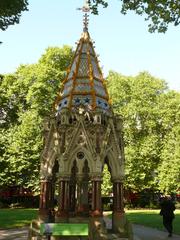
[22, 148]
[137, 100]
[10, 12]
[151, 123]
[168, 176]
[169, 170]
[161, 13]
[27, 98]
[106, 184]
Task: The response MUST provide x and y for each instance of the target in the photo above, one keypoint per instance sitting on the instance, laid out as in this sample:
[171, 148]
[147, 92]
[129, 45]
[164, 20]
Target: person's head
[168, 197]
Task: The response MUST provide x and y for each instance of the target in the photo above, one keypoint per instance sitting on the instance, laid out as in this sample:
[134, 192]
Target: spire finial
[85, 9]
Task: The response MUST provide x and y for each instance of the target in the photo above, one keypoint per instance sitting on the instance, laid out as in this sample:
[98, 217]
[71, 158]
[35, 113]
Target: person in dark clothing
[167, 211]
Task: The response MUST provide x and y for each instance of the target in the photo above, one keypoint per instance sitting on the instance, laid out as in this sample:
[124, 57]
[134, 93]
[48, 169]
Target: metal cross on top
[85, 9]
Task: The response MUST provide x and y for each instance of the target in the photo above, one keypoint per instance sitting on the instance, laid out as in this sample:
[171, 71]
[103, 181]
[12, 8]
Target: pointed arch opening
[107, 187]
[79, 187]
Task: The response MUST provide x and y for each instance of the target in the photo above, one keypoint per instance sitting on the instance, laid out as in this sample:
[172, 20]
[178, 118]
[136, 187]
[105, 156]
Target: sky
[123, 42]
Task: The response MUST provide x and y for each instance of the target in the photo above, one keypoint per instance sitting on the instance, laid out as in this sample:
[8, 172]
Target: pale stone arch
[52, 161]
[87, 155]
[48, 164]
[114, 164]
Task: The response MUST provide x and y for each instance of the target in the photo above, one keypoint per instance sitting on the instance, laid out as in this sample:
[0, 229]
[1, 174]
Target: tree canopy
[169, 170]
[160, 13]
[151, 130]
[10, 12]
[151, 114]
[27, 97]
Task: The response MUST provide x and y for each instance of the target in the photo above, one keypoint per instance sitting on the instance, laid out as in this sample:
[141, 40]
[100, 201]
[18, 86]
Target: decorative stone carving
[81, 137]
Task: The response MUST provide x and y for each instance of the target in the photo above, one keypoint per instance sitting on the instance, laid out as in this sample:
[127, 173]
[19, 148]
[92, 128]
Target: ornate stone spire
[85, 9]
[84, 84]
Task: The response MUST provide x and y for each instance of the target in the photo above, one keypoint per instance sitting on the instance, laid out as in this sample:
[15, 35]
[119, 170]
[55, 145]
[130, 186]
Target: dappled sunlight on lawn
[149, 218]
[12, 218]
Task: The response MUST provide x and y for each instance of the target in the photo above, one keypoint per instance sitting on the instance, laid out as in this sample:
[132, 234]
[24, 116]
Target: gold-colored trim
[102, 78]
[91, 76]
[75, 73]
[91, 56]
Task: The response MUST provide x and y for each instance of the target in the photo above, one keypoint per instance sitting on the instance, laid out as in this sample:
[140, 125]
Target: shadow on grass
[13, 218]
[151, 218]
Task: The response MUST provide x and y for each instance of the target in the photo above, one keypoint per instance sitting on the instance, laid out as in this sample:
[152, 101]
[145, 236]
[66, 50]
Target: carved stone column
[82, 197]
[118, 205]
[46, 204]
[79, 207]
[96, 197]
[63, 200]
[118, 216]
[72, 189]
[72, 197]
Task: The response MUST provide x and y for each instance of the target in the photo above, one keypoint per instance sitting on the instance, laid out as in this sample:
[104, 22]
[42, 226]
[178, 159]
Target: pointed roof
[84, 84]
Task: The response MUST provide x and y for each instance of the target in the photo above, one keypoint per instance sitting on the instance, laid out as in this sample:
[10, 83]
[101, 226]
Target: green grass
[13, 218]
[151, 218]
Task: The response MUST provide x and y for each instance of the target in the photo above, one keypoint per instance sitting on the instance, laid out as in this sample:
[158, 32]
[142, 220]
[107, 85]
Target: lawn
[12, 218]
[151, 218]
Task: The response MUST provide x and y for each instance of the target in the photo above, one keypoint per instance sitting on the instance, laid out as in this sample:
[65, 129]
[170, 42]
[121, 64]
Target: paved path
[141, 233]
[14, 234]
[146, 233]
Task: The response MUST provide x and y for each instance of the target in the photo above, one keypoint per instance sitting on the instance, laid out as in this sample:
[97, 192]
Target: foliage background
[151, 114]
